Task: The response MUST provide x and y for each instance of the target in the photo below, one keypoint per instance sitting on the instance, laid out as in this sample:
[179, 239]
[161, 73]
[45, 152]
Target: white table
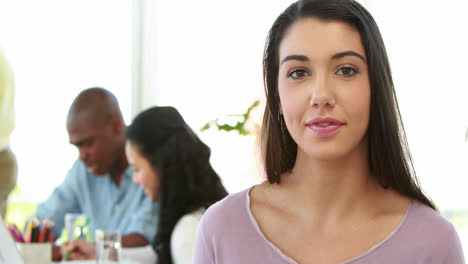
[139, 255]
[93, 262]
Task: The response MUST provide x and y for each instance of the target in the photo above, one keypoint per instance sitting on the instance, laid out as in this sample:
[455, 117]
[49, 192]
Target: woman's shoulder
[183, 236]
[426, 230]
[190, 219]
[422, 218]
[232, 210]
[232, 204]
[187, 225]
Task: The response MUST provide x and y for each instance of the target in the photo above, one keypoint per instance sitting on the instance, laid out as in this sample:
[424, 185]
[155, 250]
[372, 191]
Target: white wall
[426, 43]
[58, 48]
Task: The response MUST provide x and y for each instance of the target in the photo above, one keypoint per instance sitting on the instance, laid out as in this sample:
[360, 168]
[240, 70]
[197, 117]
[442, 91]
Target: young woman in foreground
[341, 186]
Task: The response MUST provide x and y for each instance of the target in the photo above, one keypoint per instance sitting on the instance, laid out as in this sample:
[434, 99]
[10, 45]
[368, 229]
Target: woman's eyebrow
[348, 53]
[334, 57]
[294, 57]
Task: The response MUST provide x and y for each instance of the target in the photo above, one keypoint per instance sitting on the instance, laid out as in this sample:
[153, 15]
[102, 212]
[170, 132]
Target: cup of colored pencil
[35, 232]
[34, 244]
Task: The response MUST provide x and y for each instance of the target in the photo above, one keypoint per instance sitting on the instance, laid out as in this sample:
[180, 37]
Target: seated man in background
[99, 184]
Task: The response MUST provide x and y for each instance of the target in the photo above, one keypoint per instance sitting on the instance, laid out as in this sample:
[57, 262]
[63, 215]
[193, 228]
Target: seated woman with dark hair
[172, 165]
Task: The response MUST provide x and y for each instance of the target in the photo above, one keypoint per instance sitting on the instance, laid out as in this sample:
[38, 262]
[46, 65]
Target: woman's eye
[298, 73]
[347, 71]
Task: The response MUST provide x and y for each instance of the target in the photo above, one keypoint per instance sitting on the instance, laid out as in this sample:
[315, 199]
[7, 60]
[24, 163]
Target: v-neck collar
[292, 261]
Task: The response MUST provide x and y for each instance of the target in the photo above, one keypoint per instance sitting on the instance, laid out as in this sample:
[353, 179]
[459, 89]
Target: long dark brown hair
[181, 159]
[389, 158]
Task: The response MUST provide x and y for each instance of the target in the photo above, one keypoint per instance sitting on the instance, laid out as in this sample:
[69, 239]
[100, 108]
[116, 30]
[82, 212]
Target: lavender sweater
[228, 234]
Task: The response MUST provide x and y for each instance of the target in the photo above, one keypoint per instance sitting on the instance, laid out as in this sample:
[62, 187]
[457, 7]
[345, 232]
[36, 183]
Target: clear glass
[77, 226]
[108, 246]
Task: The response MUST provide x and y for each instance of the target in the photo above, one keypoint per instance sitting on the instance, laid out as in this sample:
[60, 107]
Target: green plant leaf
[222, 122]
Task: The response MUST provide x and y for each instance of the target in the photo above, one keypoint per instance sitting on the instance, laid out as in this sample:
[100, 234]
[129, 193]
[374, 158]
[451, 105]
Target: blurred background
[204, 58]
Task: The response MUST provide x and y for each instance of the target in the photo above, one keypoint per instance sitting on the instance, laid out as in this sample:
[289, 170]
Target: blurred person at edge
[8, 165]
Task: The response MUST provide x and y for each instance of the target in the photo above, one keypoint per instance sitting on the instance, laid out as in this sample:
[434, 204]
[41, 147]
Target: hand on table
[79, 250]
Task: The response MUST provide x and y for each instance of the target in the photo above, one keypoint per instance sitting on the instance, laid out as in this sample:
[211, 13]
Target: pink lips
[324, 127]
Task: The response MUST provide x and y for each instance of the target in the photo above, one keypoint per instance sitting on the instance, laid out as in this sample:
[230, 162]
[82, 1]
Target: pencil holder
[35, 253]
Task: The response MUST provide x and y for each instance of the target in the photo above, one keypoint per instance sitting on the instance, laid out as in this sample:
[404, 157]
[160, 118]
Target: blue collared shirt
[108, 206]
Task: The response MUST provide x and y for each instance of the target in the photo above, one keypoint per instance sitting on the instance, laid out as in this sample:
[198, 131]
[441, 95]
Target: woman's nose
[321, 93]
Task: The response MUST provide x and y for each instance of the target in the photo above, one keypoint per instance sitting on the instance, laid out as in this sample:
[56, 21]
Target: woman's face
[143, 172]
[324, 88]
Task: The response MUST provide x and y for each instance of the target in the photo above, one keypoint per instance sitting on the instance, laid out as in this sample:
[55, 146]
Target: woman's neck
[331, 189]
